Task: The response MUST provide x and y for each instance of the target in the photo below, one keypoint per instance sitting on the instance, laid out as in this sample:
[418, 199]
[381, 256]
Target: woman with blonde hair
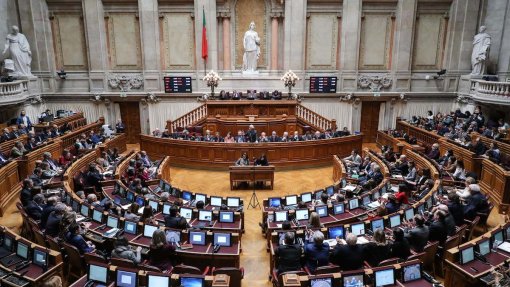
[377, 250]
[161, 253]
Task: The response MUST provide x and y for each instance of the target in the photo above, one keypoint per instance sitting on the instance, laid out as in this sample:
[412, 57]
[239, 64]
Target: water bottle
[495, 246]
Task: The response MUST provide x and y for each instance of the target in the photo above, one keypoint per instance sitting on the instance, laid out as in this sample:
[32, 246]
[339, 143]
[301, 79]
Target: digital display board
[177, 84]
[323, 84]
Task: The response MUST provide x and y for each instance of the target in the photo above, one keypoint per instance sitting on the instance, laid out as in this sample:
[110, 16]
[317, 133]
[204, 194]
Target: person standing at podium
[243, 160]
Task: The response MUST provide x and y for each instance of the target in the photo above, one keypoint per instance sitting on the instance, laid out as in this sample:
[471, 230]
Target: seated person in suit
[411, 175]
[392, 205]
[74, 237]
[424, 189]
[243, 160]
[54, 219]
[477, 203]
[34, 208]
[7, 135]
[36, 177]
[131, 213]
[455, 208]
[274, 137]
[288, 255]
[123, 250]
[419, 235]
[434, 152]
[161, 253]
[241, 138]
[285, 137]
[51, 163]
[263, 138]
[493, 152]
[354, 160]
[66, 158]
[18, 150]
[31, 144]
[175, 220]
[400, 165]
[316, 252]
[400, 247]
[437, 229]
[26, 192]
[119, 126]
[261, 161]
[296, 137]
[208, 137]
[93, 177]
[378, 250]
[349, 256]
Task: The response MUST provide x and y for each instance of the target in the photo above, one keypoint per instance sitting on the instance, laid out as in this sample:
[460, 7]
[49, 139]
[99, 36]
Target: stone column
[496, 18]
[149, 32]
[35, 25]
[294, 37]
[351, 26]
[463, 26]
[274, 41]
[403, 53]
[95, 32]
[212, 34]
[227, 65]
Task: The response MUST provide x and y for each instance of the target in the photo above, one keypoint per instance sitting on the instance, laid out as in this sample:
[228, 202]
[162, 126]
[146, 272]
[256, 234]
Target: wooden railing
[189, 119]
[69, 139]
[313, 119]
[9, 179]
[164, 169]
[424, 137]
[13, 88]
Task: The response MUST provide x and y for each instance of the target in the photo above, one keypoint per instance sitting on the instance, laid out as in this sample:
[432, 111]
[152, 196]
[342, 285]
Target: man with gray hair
[288, 255]
[350, 256]
[251, 134]
[51, 163]
[163, 197]
[316, 252]
[53, 223]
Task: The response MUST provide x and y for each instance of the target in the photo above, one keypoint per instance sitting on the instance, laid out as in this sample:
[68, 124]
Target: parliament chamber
[217, 143]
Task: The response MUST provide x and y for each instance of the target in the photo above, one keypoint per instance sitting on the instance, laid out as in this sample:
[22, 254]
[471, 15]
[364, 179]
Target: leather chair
[389, 261]
[331, 268]
[75, 264]
[121, 262]
[94, 257]
[236, 275]
[471, 227]
[430, 251]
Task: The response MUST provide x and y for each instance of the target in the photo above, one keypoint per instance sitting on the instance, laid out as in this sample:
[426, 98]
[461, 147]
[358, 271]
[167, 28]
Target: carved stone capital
[277, 15]
[36, 99]
[125, 82]
[223, 14]
[375, 82]
[464, 99]
[151, 98]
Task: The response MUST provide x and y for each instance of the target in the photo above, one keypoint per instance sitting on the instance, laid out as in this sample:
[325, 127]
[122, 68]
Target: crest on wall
[375, 82]
[125, 82]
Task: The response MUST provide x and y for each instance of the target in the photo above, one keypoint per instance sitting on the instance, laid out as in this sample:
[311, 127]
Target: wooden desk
[212, 155]
[383, 138]
[251, 174]
[424, 137]
[471, 161]
[9, 179]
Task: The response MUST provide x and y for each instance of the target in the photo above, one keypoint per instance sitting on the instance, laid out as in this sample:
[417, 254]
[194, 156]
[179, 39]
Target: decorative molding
[151, 98]
[36, 99]
[464, 99]
[375, 82]
[125, 82]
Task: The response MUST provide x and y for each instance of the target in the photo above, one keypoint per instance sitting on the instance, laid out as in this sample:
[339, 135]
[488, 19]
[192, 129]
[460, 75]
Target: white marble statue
[19, 52]
[480, 55]
[251, 44]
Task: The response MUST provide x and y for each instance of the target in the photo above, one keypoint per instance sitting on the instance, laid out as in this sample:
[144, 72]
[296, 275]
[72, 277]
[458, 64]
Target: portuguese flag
[204, 37]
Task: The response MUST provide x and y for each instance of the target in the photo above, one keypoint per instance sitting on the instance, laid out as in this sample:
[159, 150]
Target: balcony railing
[493, 88]
[13, 92]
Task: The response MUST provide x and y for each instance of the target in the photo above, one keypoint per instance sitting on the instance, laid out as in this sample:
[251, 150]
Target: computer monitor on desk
[84, 210]
[189, 281]
[411, 272]
[112, 221]
[226, 217]
[126, 278]
[395, 220]
[197, 237]
[201, 197]
[306, 197]
[222, 239]
[40, 258]
[216, 201]
[353, 203]
[158, 281]
[233, 202]
[352, 279]
[204, 215]
[291, 200]
[281, 216]
[186, 212]
[148, 230]
[98, 273]
[484, 247]
[358, 229]
[467, 254]
[130, 227]
[336, 232]
[377, 223]
[321, 282]
[274, 202]
[384, 277]
[322, 210]
[338, 208]
[302, 214]
[97, 216]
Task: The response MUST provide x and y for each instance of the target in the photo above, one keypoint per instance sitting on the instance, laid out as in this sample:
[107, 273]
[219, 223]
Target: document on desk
[397, 176]
[349, 188]
[505, 246]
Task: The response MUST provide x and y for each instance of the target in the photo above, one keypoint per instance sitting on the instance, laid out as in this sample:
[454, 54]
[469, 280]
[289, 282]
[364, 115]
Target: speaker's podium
[252, 174]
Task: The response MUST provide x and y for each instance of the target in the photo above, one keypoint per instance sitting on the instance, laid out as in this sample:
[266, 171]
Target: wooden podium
[251, 174]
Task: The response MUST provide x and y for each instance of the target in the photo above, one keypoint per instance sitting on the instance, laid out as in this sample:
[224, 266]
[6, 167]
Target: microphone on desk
[216, 248]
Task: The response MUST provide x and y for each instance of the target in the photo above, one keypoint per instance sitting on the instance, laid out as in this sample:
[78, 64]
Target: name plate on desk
[221, 280]
[291, 280]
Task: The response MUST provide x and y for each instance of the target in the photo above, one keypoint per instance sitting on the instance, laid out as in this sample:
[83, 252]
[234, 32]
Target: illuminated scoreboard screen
[323, 84]
[177, 84]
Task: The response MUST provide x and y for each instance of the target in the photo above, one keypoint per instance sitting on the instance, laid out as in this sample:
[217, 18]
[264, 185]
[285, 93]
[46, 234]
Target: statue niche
[247, 11]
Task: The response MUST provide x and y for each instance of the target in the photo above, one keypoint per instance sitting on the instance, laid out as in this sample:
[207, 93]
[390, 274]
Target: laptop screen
[409, 214]
[338, 208]
[154, 205]
[130, 227]
[97, 216]
[353, 203]
[204, 215]
[22, 250]
[291, 200]
[484, 247]
[330, 190]
[40, 258]
[148, 230]
[126, 278]
[7, 244]
[192, 282]
[395, 220]
[158, 281]
[233, 201]
[281, 216]
[173, 236]
[411, 272]
[302, 214]
[166, 208]
[377, 223]
[226, 216]
[186, 195]
[322, 210]
[306, 197]
[222, 239]
[321, 282]
[366, 200]
[384, 277]
[216, 201]
[186, 212]
[353, 280]
[112, 222]
[98, 273]
[334, 232]
[467, 255]
[274, 202]
[358, 229]
[140, 201]
[197, 238]
[201, 197]
[84, 210]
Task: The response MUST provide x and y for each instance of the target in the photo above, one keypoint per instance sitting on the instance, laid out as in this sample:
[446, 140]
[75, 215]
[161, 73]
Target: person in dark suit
[6, 135]
[54, 219]
[295, 137]
[350, 256]
[478, 147]
[36, 177]
[251, 134]
[262, 160]
[437, 229]
[400, 247]
[288, 255]
[455, 208]
[274, 138]
[477, 203]
[26, 192]
[377, 251]
[174, 219]
[93, 177]
[34, 208]
[434, 152]
[74, 237]
[31, 144]
[51, 163]
[3, 159]
[316, 252]
[419, 235]
[120, 127]
[47, 210]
